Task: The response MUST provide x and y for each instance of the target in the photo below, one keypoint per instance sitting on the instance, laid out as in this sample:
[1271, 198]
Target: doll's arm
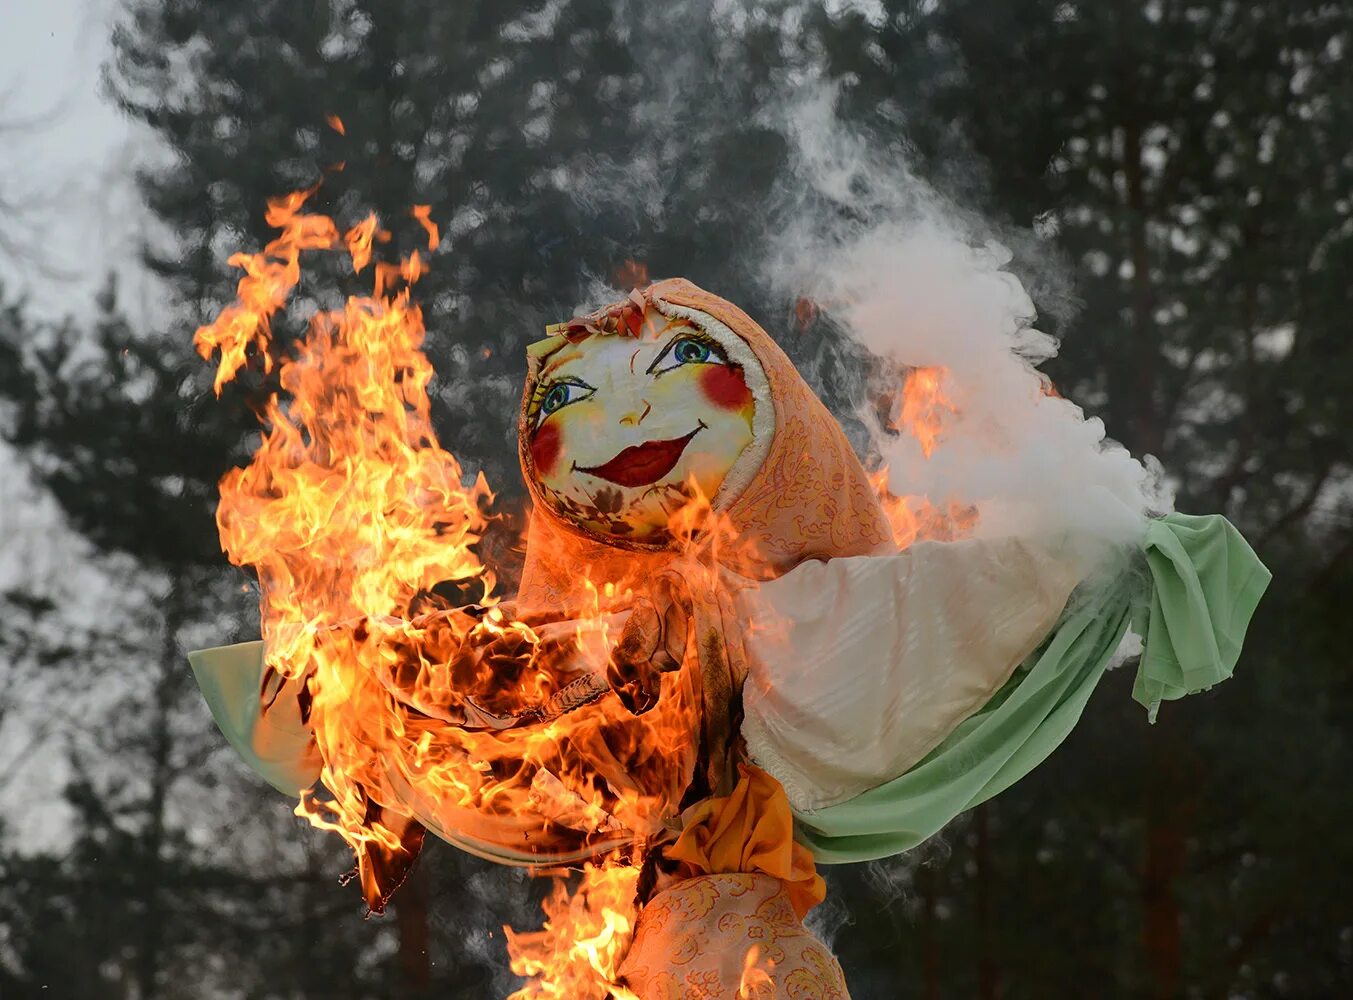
[860, 666]
[459, 674]
[260, 713]
[264, 716]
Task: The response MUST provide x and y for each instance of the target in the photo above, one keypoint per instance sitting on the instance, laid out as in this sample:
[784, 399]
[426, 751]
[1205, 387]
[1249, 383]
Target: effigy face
[624, 429]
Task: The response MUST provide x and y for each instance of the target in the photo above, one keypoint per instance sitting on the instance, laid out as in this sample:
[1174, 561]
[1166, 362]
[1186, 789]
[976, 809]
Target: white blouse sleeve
[859, 667]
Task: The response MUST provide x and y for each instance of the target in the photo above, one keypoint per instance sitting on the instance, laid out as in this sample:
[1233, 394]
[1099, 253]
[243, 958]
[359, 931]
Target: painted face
[619, 425]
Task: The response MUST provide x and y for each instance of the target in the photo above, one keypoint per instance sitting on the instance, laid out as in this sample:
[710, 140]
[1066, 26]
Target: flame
[423, 213]
[351, 512]
[924, 405]
[577, 955]
[805, 313]
[916, 519]
[629, 274]
[358, 240]
[922, 409]
[756, 983]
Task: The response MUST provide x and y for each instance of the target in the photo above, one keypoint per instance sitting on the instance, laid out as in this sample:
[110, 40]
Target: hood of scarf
[797, 492]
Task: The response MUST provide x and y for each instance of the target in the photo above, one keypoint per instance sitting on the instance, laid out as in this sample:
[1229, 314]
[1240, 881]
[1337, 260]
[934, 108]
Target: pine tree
[1187, 160]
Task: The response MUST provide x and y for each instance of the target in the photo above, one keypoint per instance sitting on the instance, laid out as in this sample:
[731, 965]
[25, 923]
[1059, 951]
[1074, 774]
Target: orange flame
[924, 405]
[350, 512]
[756, 983]
[269, 278]
[577, 955]
[630, 274]
[922, 409]
[423, 213]
[358, 240]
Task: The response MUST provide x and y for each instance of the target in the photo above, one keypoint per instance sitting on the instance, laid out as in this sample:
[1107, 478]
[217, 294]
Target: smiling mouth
[642, 464]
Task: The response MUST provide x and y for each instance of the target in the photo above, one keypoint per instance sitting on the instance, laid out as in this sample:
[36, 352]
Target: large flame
[921, 410]
[351, 513]
[577, 955]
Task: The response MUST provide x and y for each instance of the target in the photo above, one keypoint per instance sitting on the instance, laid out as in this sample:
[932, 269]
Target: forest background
[1175, 179]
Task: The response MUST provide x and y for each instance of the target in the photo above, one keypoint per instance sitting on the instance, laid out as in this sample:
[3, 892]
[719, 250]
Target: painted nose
[635, 417]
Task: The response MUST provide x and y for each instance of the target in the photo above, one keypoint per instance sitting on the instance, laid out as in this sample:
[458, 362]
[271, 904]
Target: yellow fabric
[728, 937]
[750, 830]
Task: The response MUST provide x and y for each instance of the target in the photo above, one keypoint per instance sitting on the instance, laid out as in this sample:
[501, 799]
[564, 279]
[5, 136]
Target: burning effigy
[735, 651]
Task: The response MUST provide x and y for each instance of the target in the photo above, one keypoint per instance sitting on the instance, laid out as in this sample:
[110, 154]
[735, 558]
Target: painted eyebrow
[564, 357]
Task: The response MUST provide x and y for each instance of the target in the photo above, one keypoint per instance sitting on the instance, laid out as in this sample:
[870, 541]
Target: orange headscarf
[809, 499]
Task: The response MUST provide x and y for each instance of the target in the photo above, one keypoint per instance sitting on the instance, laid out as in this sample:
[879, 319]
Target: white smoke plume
[919, 283]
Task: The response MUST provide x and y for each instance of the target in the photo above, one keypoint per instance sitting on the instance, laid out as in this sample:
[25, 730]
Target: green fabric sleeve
[276, 744]
[1206, 583]
[1192, 610]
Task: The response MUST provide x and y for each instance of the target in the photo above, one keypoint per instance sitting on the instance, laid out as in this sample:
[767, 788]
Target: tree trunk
[988, 975]
[930, 955]
[149, 958]
[411, 916]
[1168, 817]
[1165, 795]
[1147, 436]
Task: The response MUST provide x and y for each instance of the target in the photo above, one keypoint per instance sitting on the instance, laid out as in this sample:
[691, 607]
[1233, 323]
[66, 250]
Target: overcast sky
[68, 152]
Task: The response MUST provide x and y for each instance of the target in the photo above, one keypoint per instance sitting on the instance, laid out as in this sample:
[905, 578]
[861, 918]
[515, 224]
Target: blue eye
[561, 394]
[690, 352]
[687, 351]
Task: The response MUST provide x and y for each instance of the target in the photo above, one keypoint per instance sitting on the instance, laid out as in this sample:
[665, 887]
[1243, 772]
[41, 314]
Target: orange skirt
[728, 937]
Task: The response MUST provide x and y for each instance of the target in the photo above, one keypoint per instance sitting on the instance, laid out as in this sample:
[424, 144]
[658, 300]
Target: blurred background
[1175, 180]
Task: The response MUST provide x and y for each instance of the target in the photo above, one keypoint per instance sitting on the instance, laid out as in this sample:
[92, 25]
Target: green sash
[1191, 608]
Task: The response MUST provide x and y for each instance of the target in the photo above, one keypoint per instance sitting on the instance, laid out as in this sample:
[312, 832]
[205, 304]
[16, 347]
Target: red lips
[642, 464]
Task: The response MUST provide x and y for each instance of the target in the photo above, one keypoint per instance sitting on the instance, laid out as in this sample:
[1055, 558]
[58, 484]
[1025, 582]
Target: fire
[423, 213]
[924, 405]
[577, 955]
[921, 411]
[916, 519]
[630, 274]
[756, 983]
[350, 512]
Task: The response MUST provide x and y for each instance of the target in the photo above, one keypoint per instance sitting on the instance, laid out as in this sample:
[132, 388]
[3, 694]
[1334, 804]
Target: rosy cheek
[724, 386]
[545, 448]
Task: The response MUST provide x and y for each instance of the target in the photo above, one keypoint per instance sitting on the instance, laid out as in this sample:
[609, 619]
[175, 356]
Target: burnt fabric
[840, 699]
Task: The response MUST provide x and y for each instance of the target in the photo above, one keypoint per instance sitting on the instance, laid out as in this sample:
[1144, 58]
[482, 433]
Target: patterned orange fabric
[751, 830]
[728, 937]
[809, 499]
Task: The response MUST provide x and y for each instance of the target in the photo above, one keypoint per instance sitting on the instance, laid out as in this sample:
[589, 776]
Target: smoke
[913, 279]
[918, 282]
[826, 920]
[474, 909]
